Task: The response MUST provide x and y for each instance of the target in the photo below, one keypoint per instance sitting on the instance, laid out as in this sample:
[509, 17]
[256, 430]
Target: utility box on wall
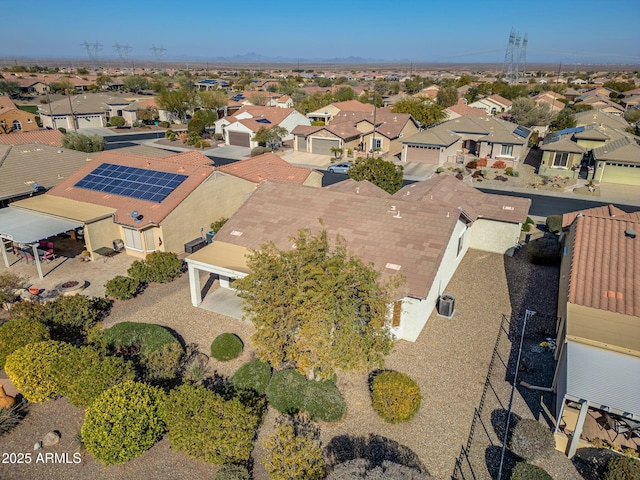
[194, 245]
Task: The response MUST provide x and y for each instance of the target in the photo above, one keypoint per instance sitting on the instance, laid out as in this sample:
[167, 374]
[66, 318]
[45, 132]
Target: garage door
[621, 173]
[89, 121]
[301, 144]
[323, 146]
[423, 154]
[239, 139]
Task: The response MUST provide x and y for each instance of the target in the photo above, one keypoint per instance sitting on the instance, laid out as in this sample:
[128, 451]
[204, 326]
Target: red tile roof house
[153, 203]
[240, 128]
[598, 328]
[493, 104]
[422, 233]
[14, 120]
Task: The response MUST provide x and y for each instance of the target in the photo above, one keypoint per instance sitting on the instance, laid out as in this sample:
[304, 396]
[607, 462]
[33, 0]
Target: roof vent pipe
[631, 233]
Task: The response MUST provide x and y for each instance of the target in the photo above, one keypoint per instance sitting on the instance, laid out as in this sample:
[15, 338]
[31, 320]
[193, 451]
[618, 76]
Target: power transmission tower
[158, 52]
[522, 57]
[516, 50]
[92, 50]
[515, 57]
[507, 66]
[123, 53]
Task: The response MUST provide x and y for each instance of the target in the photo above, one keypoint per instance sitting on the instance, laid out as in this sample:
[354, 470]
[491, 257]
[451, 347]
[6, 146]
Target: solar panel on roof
[263, 120]
[151, 185]
[521, 131]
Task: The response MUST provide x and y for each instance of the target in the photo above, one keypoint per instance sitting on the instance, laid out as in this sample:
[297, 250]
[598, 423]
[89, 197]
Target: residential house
[280, 101]
[598, 328]
[422, 233]
[269, 167]
[478, 135]
[130, 112]
[36, 85]
[552, 99]
[326, 114]
[561, 155]
[212, 84]
[618, 161]
[461, 108]
[603, 104]
[493, 104]
[14, 120]
[239, 128]
[91, 110]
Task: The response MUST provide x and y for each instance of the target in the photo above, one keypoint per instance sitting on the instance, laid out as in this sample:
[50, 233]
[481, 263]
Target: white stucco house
[422, 233]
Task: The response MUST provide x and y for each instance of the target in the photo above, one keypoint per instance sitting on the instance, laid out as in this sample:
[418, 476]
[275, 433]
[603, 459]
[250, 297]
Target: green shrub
[30, 310]
[544, 251]
[164, 124]
[117, 121]
[531, 440]
[82, 375]
[526, 471]
[259, 151]
[621, 468]
[254, 375]
[290, 392]
[9, 283]
[204, 425]
[226, 346]
[395, 396]
[147, 336]
[159, 267]
[168, 133]
[509, 171]
[202, 144]
[526, 226]
[163, 363]
[10, 418]
[122, 288]
[554, 223]
[123, 422]
[439, 170]
[218, 224]
[232, 472]
[173, 137]
[29, 369]
[17, 333]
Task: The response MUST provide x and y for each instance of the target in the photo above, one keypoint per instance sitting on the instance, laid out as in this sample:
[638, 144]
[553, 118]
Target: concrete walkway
[225, 302]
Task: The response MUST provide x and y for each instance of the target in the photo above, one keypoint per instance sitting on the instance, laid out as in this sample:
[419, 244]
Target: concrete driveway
[309, 160]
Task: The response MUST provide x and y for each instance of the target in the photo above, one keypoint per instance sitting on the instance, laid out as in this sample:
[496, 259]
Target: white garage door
[627, 174]
[323, 146]
[89, 121]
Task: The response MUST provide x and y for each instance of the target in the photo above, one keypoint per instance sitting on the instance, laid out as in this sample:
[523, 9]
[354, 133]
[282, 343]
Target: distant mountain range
[252, 57]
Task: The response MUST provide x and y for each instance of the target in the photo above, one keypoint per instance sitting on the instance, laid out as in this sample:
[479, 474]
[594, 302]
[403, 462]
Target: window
[460, 244]
[506, 150]
[561, 159]
[17, 125]
[376, 143]
[133, 239]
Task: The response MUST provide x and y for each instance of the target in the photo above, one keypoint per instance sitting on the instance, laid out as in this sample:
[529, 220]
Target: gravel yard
[449, 362]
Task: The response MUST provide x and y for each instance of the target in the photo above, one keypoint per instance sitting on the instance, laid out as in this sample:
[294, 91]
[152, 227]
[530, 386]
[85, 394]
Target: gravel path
[449, 362]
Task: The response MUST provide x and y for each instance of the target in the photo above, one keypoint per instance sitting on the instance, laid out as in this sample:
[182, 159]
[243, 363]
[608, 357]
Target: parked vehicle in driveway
[340, 168]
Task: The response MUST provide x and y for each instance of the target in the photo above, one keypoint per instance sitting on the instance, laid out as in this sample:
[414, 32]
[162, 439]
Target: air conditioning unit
[446, 305]
[118, 245]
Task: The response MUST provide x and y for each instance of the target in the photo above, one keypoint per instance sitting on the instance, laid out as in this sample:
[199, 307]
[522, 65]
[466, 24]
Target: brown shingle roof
[267, 167]
[605, 211]
[605, 266]
[194, 165]
[47, 137]
[353, 106]
[399, 237]
[362, 187]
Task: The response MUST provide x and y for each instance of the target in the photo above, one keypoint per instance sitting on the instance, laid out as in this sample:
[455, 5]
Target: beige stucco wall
[26, 119]
[101, 234]
[493, 236]
[416, 312]
[610, 330]
[219, 196]
[546, 165]
[314, 179]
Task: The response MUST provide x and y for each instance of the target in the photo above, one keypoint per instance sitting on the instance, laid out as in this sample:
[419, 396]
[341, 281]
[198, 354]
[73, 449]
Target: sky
[464, 31]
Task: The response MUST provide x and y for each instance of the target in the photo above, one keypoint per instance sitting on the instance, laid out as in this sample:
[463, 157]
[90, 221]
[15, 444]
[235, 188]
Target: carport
[28, 228]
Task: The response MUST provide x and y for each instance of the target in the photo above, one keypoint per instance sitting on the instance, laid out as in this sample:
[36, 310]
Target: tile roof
[84, 103]
[605, 211]
[363, 187]
[461, 108]
[564, 144]
[6, 104]
[499, 100]
[448, 190]
[23, 166]
[605, 265]
[46, 137]
[398, 237]
[600, 118]
[353, 106]
[388, 123]
[194, 165]
[274, 114]
[267, 167]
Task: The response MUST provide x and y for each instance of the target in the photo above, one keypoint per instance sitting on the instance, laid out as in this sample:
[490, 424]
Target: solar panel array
[521, 131]
[238, 97]
[151, 185]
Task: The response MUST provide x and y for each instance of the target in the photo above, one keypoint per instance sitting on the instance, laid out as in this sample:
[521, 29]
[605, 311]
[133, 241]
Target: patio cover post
[4, 253]
[36, 258]
[575, 437]
[194, 285]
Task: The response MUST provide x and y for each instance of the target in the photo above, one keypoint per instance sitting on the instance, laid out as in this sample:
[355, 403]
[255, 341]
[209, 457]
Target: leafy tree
[294, 450]
[82, 71]
[195, 126]
[382, 173]
[9, 87]
[344, 93]
[463, 80]
[337, 152]
[288, 86]
[9, 283]
[177, 102]
[619, 86]
[564, 119]
[526, 113]
[415, 84]
[206, 116]
[531, 440]
[135, 83]
[212, 100]
[447, 96]
[324, 82]
[258, 99]
[316, 306]
[82, 142]
[424, 111]
[581, 107]
[63, 85]
[472, 95]
[632, 115]
[511, 92]
[102, 80]
[117, 121]
[270, 137]
[148, 114]
[371, 97]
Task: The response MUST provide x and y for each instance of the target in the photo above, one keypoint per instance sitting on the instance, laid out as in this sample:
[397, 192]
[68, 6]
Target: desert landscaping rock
[50, 439]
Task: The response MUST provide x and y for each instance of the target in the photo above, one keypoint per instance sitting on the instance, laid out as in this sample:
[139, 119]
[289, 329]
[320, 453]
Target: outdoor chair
[27, 255]
[616, 425]
[48, 255]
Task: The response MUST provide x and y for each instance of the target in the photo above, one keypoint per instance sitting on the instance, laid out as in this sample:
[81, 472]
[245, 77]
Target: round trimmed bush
[323, 401]
[123, 422]
[286, 391]
[226, 346]
[395, 396]
[147, 336]
[158, 267]
[30, 369]
[17, 333]
[526, 471]
[122, 288]
[254, 375]
[232, 472]
[621, 468]
[531, 440]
